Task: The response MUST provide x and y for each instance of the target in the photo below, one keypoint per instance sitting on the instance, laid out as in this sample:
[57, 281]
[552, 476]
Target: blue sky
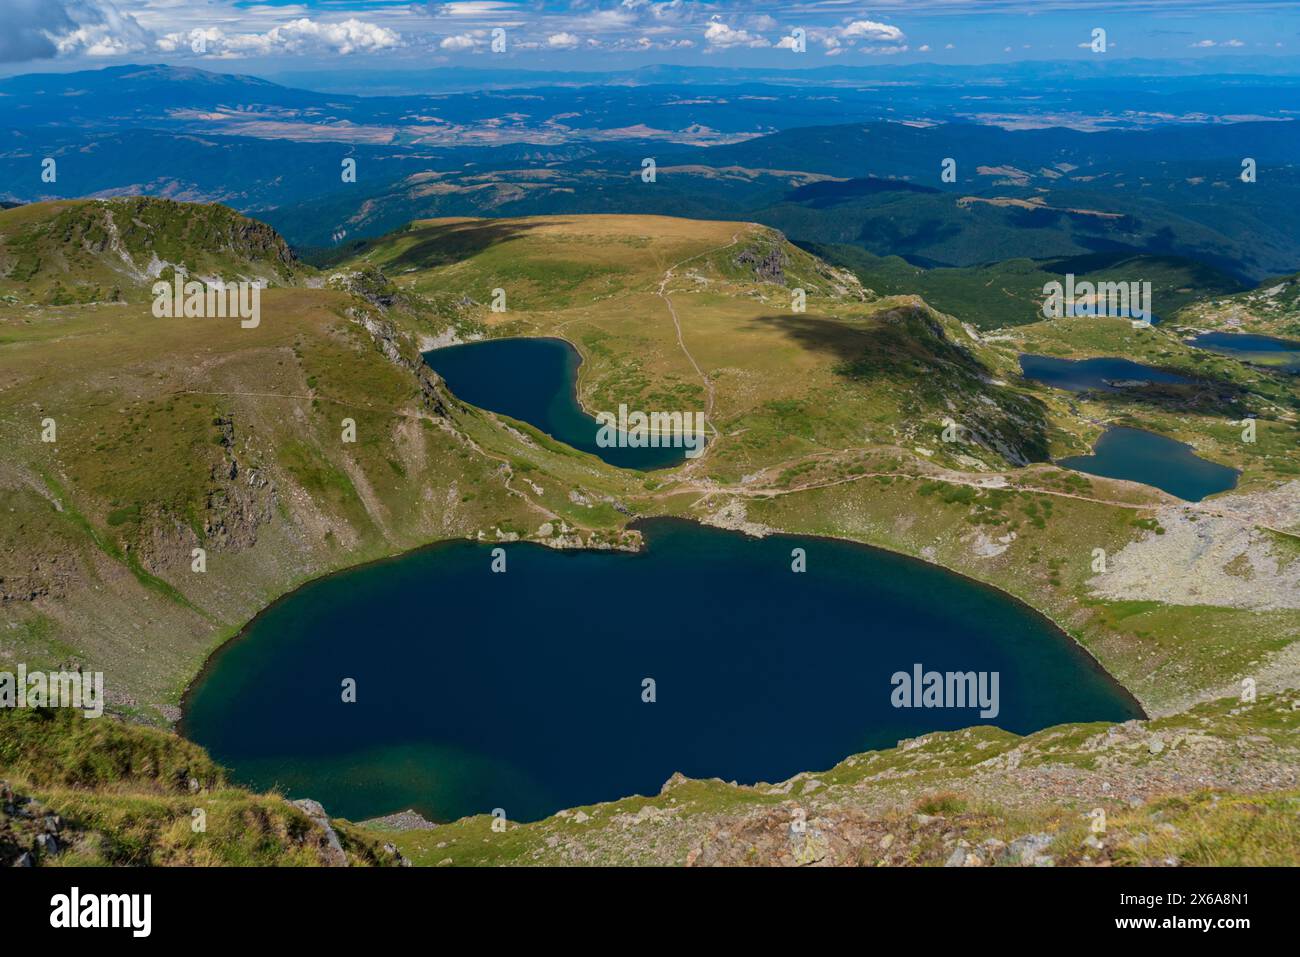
[600, 34]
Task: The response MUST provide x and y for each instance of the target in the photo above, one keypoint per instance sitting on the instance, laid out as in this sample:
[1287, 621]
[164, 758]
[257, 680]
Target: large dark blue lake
[1141, 456]
[523, 690]
[536, 381]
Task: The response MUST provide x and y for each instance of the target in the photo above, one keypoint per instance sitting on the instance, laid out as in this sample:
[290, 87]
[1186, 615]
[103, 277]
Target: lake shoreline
[242, 631]
[522, 397]
[1087, 658]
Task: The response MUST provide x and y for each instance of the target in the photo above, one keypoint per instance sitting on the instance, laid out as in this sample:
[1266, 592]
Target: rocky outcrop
[378, 295]
[238, 502]
[389, 341]
[408, 820]
[768, 265]
[30, 834]
[332, 854]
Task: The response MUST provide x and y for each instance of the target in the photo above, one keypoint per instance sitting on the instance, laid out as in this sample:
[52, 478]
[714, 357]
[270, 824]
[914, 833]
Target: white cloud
[863, 34]
[562, 41]
[1234, 43]
[1204, 43]
[349, 36]
[871, 30]
[297, 36]
[461, 41]
[719, 34]
[475, 8]
[642, 44]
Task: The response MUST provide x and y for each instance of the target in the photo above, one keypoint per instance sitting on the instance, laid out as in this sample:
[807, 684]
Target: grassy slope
[783, 385]
[126, 795]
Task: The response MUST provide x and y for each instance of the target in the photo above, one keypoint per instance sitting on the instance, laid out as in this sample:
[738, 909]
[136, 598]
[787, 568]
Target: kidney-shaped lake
[526, 689]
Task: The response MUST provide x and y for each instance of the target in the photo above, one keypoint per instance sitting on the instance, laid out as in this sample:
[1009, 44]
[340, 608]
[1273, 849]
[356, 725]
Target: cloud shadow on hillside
[907, 353]
[440, 244]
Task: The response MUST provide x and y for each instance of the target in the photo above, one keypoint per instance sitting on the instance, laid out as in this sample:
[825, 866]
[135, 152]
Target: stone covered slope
[1273, 308]
[1218, 785]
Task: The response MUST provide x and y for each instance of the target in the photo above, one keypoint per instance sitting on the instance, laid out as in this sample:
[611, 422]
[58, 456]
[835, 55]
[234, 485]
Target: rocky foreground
[1219, 784]
[1216, 785]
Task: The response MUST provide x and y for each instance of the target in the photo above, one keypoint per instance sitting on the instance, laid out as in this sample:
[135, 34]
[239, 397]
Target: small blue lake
[536, 381]
[1141, 456]
[524, 690]
[1092, 375]
[1266, 351]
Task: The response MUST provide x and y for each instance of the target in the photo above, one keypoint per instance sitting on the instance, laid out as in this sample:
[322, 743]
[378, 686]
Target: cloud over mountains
[226, 29]
[745, 31]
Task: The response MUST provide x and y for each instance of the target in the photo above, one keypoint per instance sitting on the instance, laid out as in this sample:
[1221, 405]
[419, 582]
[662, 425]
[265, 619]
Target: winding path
[662, 293]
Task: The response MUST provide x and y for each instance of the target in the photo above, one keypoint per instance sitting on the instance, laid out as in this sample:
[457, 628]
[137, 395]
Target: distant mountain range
[680, 104]
[830, 164]
[1174, 73]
